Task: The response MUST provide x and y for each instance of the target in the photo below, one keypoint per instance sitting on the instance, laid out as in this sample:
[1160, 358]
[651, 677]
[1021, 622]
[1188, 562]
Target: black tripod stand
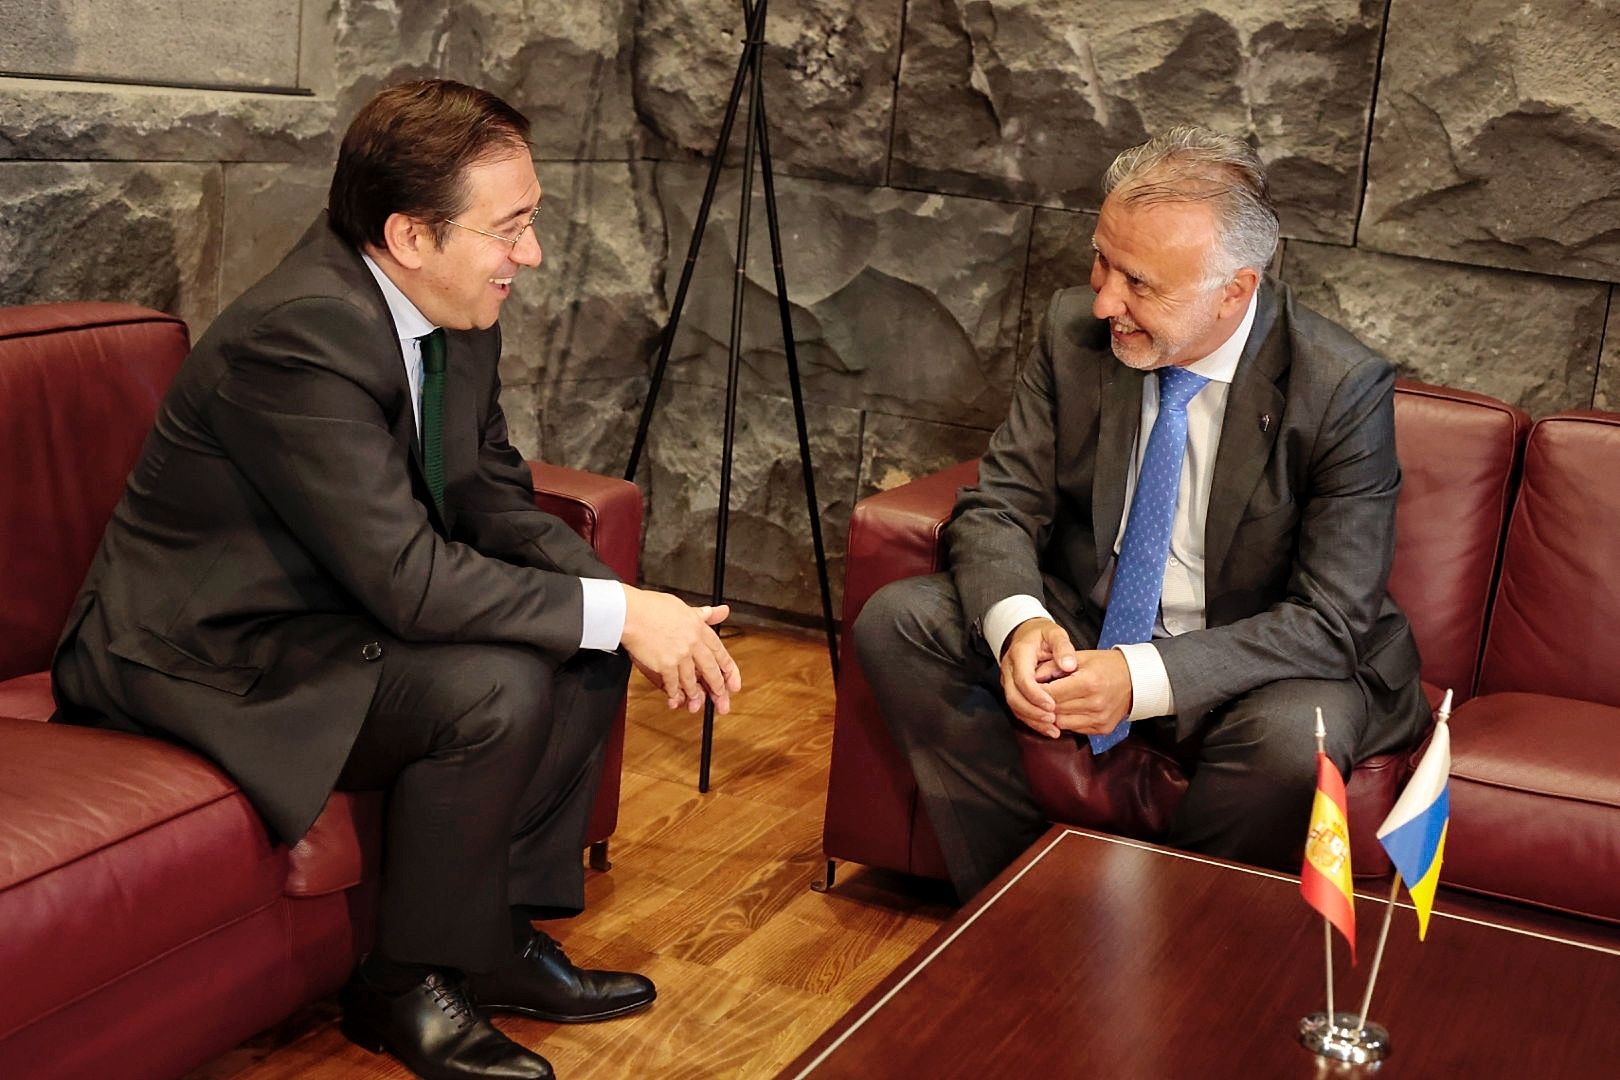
[749, 71]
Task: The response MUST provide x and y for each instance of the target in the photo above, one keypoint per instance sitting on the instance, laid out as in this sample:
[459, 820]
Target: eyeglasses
[513, 239]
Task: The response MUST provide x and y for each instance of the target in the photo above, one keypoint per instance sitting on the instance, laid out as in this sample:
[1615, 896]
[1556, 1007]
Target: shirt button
[370, 651]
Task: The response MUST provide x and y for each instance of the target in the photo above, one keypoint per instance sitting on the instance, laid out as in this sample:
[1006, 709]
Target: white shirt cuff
[1005, 615]
[1150, 683]
[603, 599]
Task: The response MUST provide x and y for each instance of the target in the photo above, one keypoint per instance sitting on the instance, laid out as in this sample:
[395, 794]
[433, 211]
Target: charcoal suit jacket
[277, 532]
[1301, 524]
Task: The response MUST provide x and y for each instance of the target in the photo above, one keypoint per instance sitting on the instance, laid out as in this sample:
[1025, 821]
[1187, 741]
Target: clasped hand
[675, 646]
[1052, 687]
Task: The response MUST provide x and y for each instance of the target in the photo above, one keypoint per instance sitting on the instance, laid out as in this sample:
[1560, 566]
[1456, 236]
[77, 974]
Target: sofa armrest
[896, 533]
[605, 510]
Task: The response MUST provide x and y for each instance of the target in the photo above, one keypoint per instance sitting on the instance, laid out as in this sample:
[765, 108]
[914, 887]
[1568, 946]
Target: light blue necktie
[1133, 600]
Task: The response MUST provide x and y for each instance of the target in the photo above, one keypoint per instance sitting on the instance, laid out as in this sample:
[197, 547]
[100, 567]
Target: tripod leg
[794, 383]
[756, 28]
[734, 358]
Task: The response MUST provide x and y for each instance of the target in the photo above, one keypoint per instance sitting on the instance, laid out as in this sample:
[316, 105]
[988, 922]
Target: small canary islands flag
[1414, 833]
[1324, 879]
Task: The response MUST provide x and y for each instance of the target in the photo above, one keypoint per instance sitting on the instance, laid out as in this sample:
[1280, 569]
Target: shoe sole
[558, 1018]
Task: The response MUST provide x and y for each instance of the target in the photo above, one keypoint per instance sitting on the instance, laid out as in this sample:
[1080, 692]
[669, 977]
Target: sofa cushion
[1535, 802]
[114, 850]
[69, 452]
[1557, 613]
[1133, 790]
[341, 848]
[1458, 452]
[27, 697]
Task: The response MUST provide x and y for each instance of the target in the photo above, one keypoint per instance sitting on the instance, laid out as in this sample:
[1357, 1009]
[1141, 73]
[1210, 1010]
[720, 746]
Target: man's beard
[1150, 354]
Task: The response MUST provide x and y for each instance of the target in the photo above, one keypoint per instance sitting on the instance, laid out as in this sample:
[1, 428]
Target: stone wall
[1449, 190]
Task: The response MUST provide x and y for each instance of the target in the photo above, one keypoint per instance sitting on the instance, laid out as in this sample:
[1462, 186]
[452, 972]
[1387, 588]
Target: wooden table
[1096, 956]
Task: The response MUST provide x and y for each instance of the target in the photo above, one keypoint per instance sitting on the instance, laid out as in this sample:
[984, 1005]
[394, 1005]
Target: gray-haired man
[1186, 521]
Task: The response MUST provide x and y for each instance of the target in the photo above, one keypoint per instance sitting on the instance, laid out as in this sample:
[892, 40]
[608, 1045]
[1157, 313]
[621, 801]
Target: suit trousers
[491, 756]
[1251, 762]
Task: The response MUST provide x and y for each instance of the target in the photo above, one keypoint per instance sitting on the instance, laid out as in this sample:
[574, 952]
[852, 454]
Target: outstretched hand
[675, 646]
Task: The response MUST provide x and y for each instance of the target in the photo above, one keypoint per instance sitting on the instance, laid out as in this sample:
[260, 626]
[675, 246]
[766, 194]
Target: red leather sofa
[1523, 632]
[147, 922]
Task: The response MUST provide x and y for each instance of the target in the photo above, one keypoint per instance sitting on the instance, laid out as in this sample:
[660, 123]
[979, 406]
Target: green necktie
[433, 414]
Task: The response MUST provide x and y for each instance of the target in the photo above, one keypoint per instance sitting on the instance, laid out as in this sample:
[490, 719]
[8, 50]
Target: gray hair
[1195, 164]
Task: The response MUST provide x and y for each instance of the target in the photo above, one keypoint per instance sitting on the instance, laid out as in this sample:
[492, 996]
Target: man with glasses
[328, 572]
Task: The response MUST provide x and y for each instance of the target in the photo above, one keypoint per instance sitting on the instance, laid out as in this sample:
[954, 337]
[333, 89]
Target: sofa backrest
[1556, 626]
[1459, 452]
[79, 389]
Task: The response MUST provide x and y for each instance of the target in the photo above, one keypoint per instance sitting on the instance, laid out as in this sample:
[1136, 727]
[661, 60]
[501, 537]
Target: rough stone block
[1031, 99]
[591, 424]
[566, 65]
[267, 210]
[248, 44]
[769, 555]
[902, 302]
[1608, 384]
[829, 80]
[1497, 135]
[1529, 340]
[522, 411]
[593, 308]
[1060, 256]
[87, 122]
[896, 450]
[376, 44]
[140, 233]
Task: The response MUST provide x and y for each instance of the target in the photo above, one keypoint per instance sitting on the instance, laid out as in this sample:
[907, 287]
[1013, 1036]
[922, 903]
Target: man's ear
[1237, 292]
[408, 240]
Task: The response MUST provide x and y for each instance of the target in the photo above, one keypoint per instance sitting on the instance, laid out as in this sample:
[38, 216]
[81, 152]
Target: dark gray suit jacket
[278, 521]
[1301, 525]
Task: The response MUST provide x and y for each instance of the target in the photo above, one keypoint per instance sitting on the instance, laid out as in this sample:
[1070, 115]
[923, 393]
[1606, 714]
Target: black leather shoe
[433, 1029]
[541, 982]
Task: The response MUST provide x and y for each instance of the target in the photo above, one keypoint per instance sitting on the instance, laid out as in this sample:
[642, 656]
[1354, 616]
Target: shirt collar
[409, 323]
[1221, 365]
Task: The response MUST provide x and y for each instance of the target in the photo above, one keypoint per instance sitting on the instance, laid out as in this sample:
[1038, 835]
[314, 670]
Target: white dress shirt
[603, 599]
[1181, 605]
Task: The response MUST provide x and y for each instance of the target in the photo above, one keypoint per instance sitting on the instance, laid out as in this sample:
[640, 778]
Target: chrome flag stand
[1337, 1036]
[1414, 835]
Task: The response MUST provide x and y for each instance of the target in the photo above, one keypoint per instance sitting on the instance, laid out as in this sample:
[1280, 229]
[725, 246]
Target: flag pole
[1378, 954]
[1441, 715]
[1327, 926]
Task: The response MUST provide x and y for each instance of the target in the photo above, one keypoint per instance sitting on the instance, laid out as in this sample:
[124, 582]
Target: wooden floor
[709, 895]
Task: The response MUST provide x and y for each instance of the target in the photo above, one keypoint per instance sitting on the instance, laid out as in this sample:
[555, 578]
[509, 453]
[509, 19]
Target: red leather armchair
[1459, 454]
[149, 922]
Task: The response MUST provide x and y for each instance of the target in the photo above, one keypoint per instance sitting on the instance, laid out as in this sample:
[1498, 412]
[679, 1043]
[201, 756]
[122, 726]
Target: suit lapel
[1246, 441]
[403, 426]
[1120, 406]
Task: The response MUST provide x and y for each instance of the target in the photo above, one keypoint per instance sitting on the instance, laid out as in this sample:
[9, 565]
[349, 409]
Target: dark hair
[408, 150]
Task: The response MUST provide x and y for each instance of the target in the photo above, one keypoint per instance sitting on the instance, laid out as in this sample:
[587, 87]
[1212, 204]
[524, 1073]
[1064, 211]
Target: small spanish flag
[1324, 879]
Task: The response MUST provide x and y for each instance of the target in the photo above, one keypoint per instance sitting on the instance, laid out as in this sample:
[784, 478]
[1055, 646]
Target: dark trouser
[1252, 764]
[491, 756]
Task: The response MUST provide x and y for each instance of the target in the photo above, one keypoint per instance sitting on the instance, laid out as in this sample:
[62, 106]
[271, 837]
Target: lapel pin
[1265, 421]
